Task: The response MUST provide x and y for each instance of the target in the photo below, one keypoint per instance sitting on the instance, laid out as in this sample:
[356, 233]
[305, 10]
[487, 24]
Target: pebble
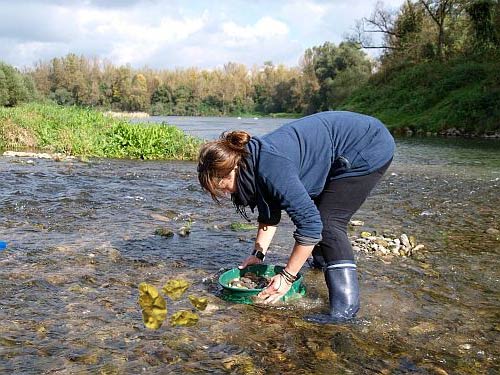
[492, 231]
[356, 223]
[404, 246]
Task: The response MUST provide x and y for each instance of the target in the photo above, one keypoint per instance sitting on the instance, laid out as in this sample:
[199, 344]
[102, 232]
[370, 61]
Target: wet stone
[356, 223]
[250, 280]
[385, 246]
[184, 231]
[164, 232]
[422, 329]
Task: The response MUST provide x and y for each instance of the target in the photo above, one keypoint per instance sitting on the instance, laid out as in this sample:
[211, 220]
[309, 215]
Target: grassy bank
[85, 132]
[433, 97]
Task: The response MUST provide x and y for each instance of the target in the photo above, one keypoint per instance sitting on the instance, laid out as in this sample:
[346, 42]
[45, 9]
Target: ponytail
[236, 140]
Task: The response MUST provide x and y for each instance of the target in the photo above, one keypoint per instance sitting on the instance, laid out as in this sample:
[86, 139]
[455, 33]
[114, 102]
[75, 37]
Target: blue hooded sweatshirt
[292, 164]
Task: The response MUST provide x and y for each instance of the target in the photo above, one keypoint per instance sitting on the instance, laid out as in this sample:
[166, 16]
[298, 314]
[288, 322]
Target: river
[82, 237]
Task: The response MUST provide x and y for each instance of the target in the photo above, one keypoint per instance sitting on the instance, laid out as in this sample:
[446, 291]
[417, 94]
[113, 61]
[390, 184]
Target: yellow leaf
[199, 302]
[175, 288]
[154, 308]
[184, 318]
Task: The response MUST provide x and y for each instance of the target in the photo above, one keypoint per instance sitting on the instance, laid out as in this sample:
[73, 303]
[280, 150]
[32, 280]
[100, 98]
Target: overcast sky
[174, 33]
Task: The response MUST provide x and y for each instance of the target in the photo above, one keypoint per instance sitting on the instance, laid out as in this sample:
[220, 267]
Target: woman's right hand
[252, 259]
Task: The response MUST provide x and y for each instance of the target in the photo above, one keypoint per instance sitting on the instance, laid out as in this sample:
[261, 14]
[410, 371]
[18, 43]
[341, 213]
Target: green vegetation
[432, 97]
[15, 88]
[86, 132]
[237, 227]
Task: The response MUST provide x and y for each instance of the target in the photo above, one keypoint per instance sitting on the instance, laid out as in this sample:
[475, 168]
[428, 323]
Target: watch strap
[258, 254]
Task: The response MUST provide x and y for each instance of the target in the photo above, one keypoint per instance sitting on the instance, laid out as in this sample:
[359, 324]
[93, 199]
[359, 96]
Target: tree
[162, 102]
[14, 82]
[4, 93]
[121, 86]
[339, 70]
[483, 29]
[139, 100]
[439, 10]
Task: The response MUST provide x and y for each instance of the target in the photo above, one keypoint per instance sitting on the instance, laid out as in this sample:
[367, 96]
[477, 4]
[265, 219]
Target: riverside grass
[86, 132]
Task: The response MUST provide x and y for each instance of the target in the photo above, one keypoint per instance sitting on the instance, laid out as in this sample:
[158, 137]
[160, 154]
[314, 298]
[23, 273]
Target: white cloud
[133, 40]
[171, 34]
[264, 28]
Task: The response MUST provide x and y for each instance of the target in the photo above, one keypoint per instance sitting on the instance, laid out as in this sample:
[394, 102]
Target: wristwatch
[259, 254]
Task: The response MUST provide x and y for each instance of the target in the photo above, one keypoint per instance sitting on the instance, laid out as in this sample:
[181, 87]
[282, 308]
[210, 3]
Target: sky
[172, 34]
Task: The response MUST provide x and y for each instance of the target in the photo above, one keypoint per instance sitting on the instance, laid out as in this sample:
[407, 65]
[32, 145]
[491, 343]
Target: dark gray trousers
[338, 202]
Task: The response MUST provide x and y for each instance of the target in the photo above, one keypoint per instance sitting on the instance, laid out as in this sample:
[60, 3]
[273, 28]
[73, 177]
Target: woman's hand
[276, 289]
[252, 259]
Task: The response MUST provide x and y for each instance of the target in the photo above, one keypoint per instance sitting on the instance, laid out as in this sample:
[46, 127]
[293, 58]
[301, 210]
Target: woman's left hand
[277, 288]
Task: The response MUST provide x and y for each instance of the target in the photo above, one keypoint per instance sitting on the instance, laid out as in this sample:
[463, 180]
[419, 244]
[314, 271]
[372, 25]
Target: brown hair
[218, 158]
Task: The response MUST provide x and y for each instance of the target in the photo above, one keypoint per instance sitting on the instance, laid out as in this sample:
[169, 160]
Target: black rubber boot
[343, 291]
[317, 261]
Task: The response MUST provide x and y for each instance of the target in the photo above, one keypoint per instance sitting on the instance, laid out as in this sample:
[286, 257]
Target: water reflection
[82, 237]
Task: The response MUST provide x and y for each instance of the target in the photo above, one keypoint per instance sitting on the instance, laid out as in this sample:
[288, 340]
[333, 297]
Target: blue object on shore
[3, 245]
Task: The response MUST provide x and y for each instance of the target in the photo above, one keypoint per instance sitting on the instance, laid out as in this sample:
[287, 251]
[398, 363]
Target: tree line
[419, 31]
[326, 75]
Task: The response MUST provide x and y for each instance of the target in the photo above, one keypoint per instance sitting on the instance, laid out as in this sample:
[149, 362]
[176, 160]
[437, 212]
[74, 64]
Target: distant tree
[162, 102]
[14, 82]
[4, 92]
[481, 14]
[62, 97]
[339, 71]
[30, 87]
[121, 87]
[139, 99]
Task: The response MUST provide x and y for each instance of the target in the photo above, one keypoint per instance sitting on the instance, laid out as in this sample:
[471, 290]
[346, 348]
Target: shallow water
[81, 239]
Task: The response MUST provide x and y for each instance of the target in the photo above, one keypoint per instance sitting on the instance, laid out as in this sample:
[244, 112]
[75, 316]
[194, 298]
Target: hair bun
[236, 139]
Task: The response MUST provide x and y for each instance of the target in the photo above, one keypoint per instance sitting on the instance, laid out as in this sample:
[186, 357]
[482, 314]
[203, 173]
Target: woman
[319, 169]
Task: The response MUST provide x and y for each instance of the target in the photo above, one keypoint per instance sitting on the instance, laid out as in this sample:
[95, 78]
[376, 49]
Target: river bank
[88, 133]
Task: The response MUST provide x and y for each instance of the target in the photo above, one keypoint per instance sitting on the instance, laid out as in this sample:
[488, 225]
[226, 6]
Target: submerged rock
[240, 364]
[492, 231]
[422, 329]
[164, 232]
[184, 231]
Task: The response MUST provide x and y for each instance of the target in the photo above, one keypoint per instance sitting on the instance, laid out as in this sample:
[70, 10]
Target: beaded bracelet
[288, 276]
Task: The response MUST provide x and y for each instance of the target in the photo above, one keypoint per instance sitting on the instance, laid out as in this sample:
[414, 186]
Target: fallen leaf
[184, 318]
[175, 288]
[154, 308]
